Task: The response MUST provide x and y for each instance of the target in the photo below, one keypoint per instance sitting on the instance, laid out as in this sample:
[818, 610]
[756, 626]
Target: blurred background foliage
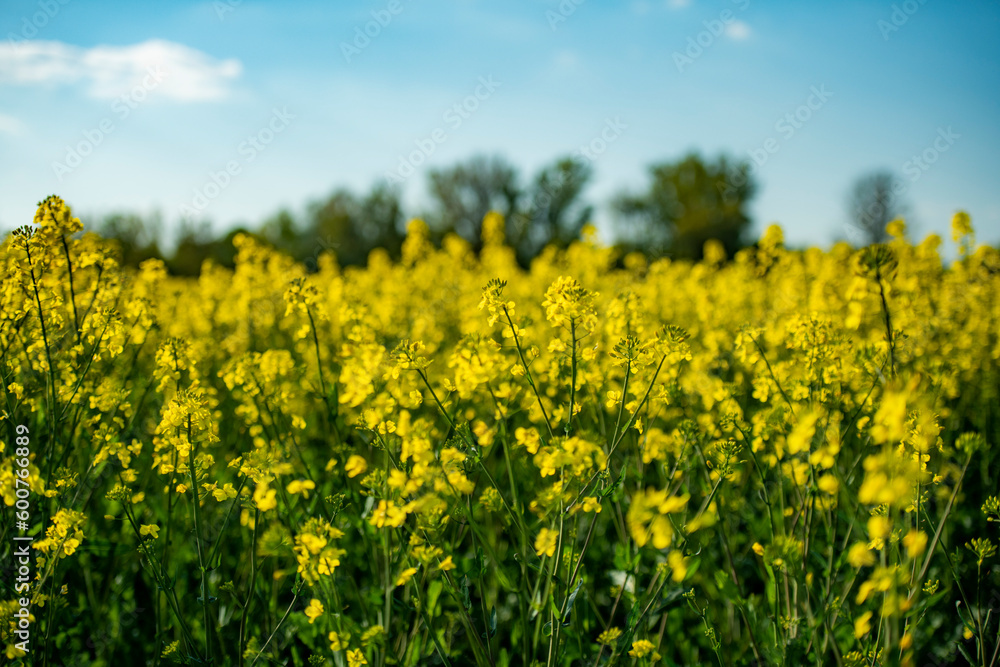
[684, 203]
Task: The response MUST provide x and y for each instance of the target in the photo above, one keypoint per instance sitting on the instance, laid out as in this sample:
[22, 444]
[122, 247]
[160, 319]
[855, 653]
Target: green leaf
[693, 566]
[670, 598]
[633, 617]
[433, 593]
[614, 490]
[537, 568]
[504, 580]
[572, 599]
[772, 586]
[727, 587]
[483, 561]
[465, 593]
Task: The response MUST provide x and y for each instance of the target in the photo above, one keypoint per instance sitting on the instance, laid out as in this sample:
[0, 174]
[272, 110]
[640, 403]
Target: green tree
[137, 238]
[553, 210]
[282, 231]
[197, 243]
[687, 203]
[464, 193]
[875, 201]
[351, 226]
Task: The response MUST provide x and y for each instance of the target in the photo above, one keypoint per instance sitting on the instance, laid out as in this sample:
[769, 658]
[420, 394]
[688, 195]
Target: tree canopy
[684, 204]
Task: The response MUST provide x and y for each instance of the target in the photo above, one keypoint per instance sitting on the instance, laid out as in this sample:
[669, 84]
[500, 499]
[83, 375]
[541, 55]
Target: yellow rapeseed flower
[303, 486]
[356, 465]
[915, 542]
[641, 648]
[545, 543]
[862, 625]
[859, 555]
[405, 576]
[314, 610]
[609, 636]
[265, 497]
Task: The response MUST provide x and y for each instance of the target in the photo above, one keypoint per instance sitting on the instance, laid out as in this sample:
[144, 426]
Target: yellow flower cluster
[315, 551]
[452, 459]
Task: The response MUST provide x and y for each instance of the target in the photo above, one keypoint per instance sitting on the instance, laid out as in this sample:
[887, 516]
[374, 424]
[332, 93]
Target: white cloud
[10, 125]
[565, 60]
[640, 7]
[678, 4]
[188, 75]
[738, 30]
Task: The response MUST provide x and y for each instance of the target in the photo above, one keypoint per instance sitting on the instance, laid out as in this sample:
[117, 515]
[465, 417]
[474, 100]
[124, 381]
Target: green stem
[556, 623]
[72, 292]
[888, 322]
[430, 628]
[288, 611]
[197, 540]
[160, 578]
[918, 584]
[621, 404]
[48, 349]
[253, 583]
[527, 371]
[614, 445]
[773, 376]
[572, 385]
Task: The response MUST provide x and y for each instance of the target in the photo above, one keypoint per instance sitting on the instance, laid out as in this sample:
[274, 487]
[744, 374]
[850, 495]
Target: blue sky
[235, 109]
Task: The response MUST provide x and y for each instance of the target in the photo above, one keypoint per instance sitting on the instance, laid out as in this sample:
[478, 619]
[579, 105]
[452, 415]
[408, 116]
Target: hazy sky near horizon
[234, 109]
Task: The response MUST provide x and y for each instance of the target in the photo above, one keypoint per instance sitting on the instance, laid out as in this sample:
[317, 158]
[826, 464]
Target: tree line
[683, 204]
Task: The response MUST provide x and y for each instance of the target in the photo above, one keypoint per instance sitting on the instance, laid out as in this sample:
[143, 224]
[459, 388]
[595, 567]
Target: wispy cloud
[188, 75]
[641, 7]
[738, 30]
[10, 125]
[565, 61]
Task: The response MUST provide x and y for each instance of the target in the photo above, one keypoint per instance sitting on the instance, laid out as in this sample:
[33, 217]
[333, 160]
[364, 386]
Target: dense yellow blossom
[648, 517]
[641, 648]
[456, 459]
